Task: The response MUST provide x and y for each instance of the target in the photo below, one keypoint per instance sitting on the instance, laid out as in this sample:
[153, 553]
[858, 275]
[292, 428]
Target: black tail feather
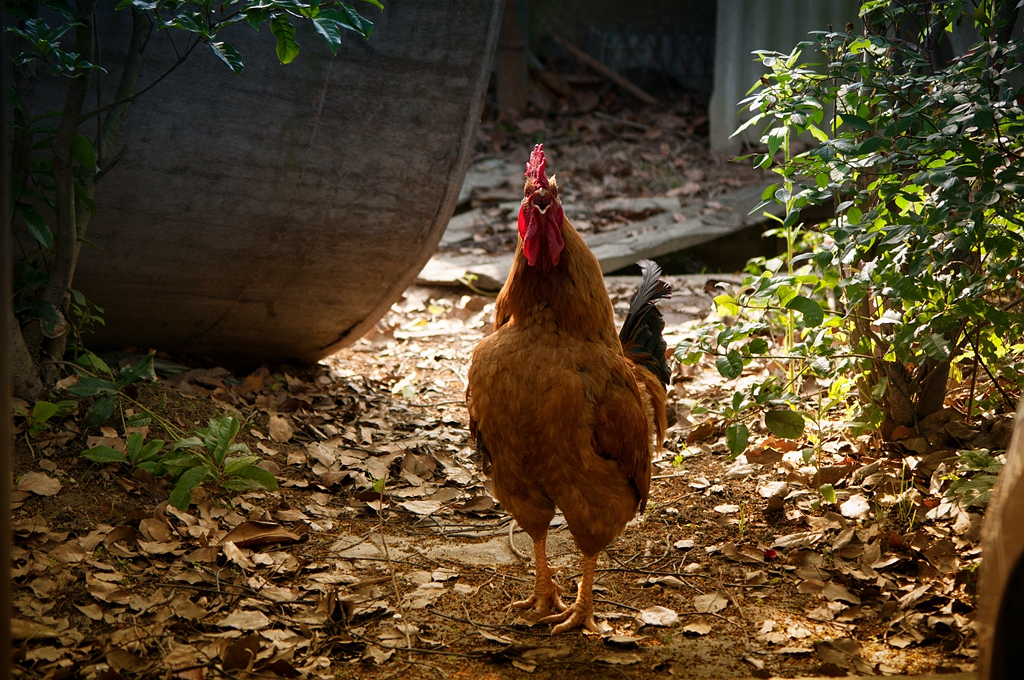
[641, 333]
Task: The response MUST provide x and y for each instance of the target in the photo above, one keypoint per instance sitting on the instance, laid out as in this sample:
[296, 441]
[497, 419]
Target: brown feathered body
[561, 416]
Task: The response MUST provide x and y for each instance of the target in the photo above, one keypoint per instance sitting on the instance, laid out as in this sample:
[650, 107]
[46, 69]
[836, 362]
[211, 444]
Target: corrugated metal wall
[747, 25]
[652, 38]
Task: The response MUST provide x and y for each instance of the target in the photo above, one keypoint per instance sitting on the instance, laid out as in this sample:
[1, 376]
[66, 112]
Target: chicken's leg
[581, 613]
[547, 596]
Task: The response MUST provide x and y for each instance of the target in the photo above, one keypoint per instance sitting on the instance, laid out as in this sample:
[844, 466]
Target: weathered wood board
[675, 229]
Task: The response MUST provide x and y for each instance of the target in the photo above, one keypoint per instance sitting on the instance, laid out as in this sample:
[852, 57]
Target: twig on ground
[512, 544]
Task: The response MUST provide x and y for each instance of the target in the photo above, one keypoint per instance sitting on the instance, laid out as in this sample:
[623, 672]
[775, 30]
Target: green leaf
[856, 122]
[240, 484]
[736, 436]
[98, 413]
[775, 138]
[731, 365]
[229, 55]
[104, 454]
[784, 423]
[150, 450]
[90, 360]
[88, 386]
[83, 153]
[258, 475]
[152, 467]
[219, 436]
[187, 443]
[869, 145]
[727, 305]
[134, 445]
[811, 310]
[36, 224]
[234, 464]
[331, 32]
[828, 492]
[758, 346]
[349, 18]
[141, 371]
[43, 411]
[936, 346]
[181, 497]
[182, 461]
[817, 133]
[287, 48]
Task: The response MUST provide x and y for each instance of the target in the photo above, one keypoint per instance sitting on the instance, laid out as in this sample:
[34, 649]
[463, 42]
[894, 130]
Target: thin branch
[147, 88]
[142, 29]
[1009, 403]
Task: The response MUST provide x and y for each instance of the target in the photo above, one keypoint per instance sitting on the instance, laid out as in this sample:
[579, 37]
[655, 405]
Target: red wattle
[555, 217]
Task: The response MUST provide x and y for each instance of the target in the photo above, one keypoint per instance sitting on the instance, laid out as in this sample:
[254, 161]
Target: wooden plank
[604, 70]
[510, 63]
[667, 232]
[671, 232]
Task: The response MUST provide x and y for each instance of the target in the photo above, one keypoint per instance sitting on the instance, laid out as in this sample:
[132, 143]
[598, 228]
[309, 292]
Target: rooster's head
[540, 216]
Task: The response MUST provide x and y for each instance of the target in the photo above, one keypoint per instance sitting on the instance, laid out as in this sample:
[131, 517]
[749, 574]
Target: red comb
[536, 165]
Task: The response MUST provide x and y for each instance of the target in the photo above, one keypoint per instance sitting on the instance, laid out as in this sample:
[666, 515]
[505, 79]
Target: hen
[565, 412]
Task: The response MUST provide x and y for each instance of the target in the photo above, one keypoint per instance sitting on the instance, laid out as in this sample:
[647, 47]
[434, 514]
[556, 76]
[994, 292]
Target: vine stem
[977, 355]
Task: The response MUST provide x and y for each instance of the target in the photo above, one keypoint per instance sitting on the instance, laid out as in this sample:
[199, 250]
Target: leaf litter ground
[383, 555]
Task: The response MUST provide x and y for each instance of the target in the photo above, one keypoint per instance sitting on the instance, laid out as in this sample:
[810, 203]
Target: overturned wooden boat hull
[277, 214]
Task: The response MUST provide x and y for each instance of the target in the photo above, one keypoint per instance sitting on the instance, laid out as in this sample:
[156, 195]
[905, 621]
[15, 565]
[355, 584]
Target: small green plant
[136, 454]
[973, 478]
[36, 420]
[197, 459]
[109, 390]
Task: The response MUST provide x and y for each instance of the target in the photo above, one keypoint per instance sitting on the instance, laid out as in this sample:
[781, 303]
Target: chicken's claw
[573, 617]
[544, 601]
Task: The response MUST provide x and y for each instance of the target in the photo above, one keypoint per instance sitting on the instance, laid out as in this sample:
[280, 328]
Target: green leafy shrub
[110, 390]
[973, 478]
[42, 412]
[919, 276]
[197, 459]
[137, 454]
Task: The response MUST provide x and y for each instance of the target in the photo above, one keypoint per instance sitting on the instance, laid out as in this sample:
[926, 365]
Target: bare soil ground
[336, 575]
[382, 555]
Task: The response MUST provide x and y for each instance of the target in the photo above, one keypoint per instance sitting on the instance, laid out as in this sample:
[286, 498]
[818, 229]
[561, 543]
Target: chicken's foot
[581, 613]
[547, 596]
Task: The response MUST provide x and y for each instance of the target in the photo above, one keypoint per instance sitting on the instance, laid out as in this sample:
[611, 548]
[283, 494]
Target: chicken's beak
[540, 219]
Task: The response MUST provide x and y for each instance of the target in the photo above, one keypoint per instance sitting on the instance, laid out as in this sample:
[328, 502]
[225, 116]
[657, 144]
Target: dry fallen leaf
[658, 616]
[855, 507]
[245, 619]
[39, 483]
[280, 428]
[248, 534]
[710, 603]
[93, 611]
[421, 507]
[698, 626]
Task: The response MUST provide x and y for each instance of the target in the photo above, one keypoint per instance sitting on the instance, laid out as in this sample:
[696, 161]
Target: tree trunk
[26, 382]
